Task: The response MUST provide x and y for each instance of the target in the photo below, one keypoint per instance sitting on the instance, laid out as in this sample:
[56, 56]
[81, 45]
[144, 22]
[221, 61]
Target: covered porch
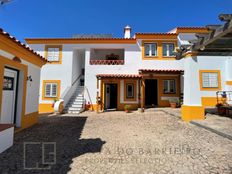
[149, 88]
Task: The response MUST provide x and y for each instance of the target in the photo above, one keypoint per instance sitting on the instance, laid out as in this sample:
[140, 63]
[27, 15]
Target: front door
[151, 93]
[111, 96]
[9, 96]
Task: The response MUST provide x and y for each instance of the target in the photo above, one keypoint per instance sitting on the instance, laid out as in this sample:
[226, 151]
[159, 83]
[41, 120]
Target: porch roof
[136, 76]
[160, 71]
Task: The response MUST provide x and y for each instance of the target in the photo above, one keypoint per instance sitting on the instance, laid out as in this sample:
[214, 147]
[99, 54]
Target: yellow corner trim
[189, 113]
[201, 80]
[229, 83]
[58, 88]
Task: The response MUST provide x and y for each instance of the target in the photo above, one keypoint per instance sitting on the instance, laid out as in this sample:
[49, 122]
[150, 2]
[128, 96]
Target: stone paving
[116, 142]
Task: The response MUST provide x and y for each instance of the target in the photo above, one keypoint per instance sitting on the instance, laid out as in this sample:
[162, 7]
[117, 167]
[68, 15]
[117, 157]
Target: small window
[169, 86]
[210, 80]
[150, 49]
[168, 49]
[51, 90]
[129, 90]
[53, 54]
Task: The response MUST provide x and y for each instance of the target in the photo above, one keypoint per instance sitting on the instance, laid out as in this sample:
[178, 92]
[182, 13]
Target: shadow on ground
[65, 131]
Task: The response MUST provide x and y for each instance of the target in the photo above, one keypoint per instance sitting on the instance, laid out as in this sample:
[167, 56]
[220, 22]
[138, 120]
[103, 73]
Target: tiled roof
[155, 33]
[118, 75]
[24, 46]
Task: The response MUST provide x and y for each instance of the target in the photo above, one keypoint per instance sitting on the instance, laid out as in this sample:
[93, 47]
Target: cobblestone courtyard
[116, 142]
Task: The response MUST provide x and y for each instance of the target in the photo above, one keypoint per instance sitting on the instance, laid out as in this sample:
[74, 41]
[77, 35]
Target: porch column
[97, 98]
[142, 93]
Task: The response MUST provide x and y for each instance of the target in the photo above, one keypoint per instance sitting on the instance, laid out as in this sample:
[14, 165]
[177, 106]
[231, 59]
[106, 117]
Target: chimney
[127, 32]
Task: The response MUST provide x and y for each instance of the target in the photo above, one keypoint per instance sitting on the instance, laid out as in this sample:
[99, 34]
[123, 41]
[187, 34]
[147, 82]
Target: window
[150, 49]
[169, 86]
[168, 49]
[210, 80]
[129, 90]
[53, 53]
[51, 90]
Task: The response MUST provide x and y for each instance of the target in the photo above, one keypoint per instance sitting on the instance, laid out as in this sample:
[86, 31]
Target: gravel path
[116, 142]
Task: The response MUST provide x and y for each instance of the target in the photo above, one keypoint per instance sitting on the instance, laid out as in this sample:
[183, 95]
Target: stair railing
[66, 95]
[87, 91]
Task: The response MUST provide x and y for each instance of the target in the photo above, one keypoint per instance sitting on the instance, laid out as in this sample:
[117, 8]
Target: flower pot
[127, 111]
[173, 105]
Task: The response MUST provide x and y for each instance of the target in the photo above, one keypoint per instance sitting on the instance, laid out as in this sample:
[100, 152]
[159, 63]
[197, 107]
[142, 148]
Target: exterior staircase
[76, 104]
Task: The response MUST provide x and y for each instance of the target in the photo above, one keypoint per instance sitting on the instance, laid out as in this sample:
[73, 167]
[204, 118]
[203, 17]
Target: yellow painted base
[28, 121]
[45, 108]
[209, 101]
[189, 113]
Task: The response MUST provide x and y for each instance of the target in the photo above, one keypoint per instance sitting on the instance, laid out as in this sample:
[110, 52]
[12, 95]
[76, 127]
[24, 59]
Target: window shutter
[47, 90]
[153, 49]
[147, 48]
[210, 80]
[54, 90]
[165, 85]
[53, 54]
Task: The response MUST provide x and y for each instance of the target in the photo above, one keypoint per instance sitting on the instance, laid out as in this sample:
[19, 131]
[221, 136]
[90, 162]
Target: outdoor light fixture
[29, 78]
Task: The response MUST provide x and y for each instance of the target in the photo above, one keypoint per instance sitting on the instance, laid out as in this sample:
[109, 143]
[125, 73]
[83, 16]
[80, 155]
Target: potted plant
[174, 102]
[54, 101]
[127, 108]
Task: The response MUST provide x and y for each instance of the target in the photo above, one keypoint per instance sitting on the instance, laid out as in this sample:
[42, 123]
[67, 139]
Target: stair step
[74, 109]
[77, 105]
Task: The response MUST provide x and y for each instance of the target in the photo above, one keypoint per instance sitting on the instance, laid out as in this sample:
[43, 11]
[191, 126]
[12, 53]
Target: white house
[105, 73]
[20, 78]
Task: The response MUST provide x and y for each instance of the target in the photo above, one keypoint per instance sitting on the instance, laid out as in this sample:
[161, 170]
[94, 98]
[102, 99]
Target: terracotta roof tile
[7, 35]
[161, 70]
[118, 76]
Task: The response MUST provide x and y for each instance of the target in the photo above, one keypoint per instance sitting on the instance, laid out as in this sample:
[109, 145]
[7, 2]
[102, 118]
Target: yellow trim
[189, 113]
[210, 71]
[45, 108]
[109, 81]
[7, 62]
[60, 53]
[134, 82]
[210, 101]
[58, 89]
[80, 41]
[159, 50]
[14, 49]
[229, 83]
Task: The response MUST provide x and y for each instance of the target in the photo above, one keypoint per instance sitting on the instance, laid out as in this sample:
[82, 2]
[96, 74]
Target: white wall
[32, 93]
[192, 93]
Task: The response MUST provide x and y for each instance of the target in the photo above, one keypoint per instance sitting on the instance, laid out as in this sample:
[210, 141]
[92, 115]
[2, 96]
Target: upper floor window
[53, 53]
[168, 49]
[169, 86]
[150, 49]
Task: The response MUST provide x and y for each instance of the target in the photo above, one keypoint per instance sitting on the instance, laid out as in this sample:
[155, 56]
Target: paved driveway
[115, 142]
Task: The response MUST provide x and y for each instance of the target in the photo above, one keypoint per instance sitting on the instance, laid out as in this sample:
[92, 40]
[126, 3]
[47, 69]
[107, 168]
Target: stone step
[74, 109]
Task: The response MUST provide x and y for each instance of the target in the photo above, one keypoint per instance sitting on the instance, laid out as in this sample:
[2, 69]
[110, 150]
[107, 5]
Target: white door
[9, 96]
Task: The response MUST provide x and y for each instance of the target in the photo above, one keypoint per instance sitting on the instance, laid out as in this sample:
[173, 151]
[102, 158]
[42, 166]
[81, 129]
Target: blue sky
[63, 18]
